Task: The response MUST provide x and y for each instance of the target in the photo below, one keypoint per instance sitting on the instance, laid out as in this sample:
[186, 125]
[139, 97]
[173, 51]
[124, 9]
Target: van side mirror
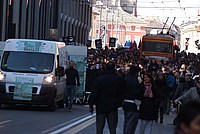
[60, 71]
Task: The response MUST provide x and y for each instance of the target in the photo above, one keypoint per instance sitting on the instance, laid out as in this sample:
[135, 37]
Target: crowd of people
[144, 88]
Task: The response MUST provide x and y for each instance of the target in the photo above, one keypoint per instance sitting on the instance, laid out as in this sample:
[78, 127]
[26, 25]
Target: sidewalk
[165, 128]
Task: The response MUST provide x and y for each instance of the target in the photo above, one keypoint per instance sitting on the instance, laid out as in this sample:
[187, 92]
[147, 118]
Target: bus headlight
[2, 76]
[48, 79]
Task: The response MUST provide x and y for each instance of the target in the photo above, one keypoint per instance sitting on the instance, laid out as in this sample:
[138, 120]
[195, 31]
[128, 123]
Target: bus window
[157, 47]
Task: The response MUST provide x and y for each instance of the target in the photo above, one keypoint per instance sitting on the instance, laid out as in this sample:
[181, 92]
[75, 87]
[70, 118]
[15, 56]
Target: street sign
[187, 39]
[112, 42]
[98, 43]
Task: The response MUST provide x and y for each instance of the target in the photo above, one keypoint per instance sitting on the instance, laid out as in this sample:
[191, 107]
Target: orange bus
[159, 46]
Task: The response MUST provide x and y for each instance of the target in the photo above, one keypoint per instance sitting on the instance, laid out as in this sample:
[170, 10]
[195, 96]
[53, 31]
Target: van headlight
[2, 76]
[48, 79]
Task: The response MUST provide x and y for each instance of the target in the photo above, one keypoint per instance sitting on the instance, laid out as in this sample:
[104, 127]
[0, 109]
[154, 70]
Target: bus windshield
[27, 62]
[161, 47]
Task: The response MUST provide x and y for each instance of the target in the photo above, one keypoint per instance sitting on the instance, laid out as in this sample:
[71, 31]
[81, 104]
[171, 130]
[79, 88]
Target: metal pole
[112, 25]
[100, 22]
[105, 37]
[117, 25]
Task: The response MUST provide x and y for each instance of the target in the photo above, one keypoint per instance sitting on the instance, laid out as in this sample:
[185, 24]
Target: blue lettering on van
[23, 88]
[30, 46]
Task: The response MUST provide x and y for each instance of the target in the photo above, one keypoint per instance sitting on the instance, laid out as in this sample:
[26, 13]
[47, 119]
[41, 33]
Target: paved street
[165, 128]
[28, 120]
[36, 120]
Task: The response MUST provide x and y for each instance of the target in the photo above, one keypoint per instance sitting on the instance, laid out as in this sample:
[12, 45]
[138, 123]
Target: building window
[128, 37]
[107, 39]
[116, 36]
[116, 27]
[109, 26]
[97, 26]
[97, 36]
[137, 39]
[137, 28]
[128, 28]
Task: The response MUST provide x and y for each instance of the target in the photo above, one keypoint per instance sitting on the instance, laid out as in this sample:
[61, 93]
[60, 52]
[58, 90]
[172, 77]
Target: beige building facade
[190, 31]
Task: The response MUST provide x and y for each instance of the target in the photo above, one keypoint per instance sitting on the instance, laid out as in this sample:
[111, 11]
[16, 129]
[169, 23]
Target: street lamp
[108, 10]
[99, 4]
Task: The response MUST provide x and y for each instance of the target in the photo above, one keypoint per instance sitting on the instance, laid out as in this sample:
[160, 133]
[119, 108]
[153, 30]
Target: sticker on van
[23, 88]
[30, 46]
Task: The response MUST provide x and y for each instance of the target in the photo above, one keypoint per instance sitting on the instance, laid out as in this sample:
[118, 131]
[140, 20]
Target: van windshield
[27, 62]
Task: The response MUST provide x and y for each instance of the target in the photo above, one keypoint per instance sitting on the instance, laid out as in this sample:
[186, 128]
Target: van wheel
[52, 106]
[61, 103]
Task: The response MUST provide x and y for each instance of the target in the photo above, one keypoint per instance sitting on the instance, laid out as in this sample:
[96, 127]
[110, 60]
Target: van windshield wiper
[25, 71]
[7, 69]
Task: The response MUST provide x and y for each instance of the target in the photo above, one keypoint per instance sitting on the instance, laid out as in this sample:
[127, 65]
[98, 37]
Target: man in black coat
[71, 83]
[132, 95]
[107, 96]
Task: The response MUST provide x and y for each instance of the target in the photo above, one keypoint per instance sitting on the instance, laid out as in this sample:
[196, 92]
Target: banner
[78, 54]
[80, 65]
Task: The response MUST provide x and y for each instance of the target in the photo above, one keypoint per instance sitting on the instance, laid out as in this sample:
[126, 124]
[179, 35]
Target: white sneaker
[174, 110]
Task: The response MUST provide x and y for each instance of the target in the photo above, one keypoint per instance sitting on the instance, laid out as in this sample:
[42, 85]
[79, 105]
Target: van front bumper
[45, 97]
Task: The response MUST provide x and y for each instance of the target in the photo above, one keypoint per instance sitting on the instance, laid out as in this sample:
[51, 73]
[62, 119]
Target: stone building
[45, 19]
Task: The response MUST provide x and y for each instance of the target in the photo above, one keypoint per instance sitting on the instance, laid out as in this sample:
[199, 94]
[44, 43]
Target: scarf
[148, 91]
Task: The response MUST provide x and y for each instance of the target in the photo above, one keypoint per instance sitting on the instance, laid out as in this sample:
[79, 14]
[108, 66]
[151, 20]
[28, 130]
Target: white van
[2, 44]
[32, 72]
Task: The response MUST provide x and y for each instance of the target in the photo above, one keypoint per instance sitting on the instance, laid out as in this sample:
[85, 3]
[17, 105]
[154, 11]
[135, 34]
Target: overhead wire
[157, 7]
[183, 9]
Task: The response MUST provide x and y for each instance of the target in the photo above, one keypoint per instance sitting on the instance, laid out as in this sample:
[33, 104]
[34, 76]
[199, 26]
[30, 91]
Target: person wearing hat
[132, 92]
[107, 97]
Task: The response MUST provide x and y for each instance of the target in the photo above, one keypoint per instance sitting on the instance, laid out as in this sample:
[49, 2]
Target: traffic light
[112, 42]
[98, 43]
